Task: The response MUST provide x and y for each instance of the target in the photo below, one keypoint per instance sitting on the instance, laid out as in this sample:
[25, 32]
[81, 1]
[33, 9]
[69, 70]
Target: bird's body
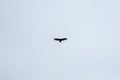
[60, 39]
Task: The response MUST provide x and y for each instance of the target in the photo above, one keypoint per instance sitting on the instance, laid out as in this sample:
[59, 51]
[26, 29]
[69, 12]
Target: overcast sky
[28, 51]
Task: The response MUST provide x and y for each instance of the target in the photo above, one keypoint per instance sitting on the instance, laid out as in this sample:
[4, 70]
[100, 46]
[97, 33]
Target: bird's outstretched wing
[64, 39]
[56, 39]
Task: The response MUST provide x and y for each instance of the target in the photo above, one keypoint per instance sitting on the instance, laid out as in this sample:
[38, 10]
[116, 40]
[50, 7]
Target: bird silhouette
[60, 39]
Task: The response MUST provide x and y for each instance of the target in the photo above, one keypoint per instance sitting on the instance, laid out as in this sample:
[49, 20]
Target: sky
[28, 50]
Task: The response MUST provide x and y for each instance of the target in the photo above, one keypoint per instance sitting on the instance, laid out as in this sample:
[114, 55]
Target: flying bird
[60, 39]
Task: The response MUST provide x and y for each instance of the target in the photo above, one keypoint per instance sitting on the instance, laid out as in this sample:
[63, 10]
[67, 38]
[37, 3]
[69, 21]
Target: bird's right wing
[57, 39]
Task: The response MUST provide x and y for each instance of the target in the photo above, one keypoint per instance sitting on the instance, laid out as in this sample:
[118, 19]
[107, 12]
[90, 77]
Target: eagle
[60, 39]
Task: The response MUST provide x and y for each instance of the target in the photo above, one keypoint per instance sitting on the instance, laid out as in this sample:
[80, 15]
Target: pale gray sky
[28, 51]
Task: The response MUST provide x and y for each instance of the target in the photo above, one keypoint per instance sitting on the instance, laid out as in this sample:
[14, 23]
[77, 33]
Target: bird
[60, 39]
